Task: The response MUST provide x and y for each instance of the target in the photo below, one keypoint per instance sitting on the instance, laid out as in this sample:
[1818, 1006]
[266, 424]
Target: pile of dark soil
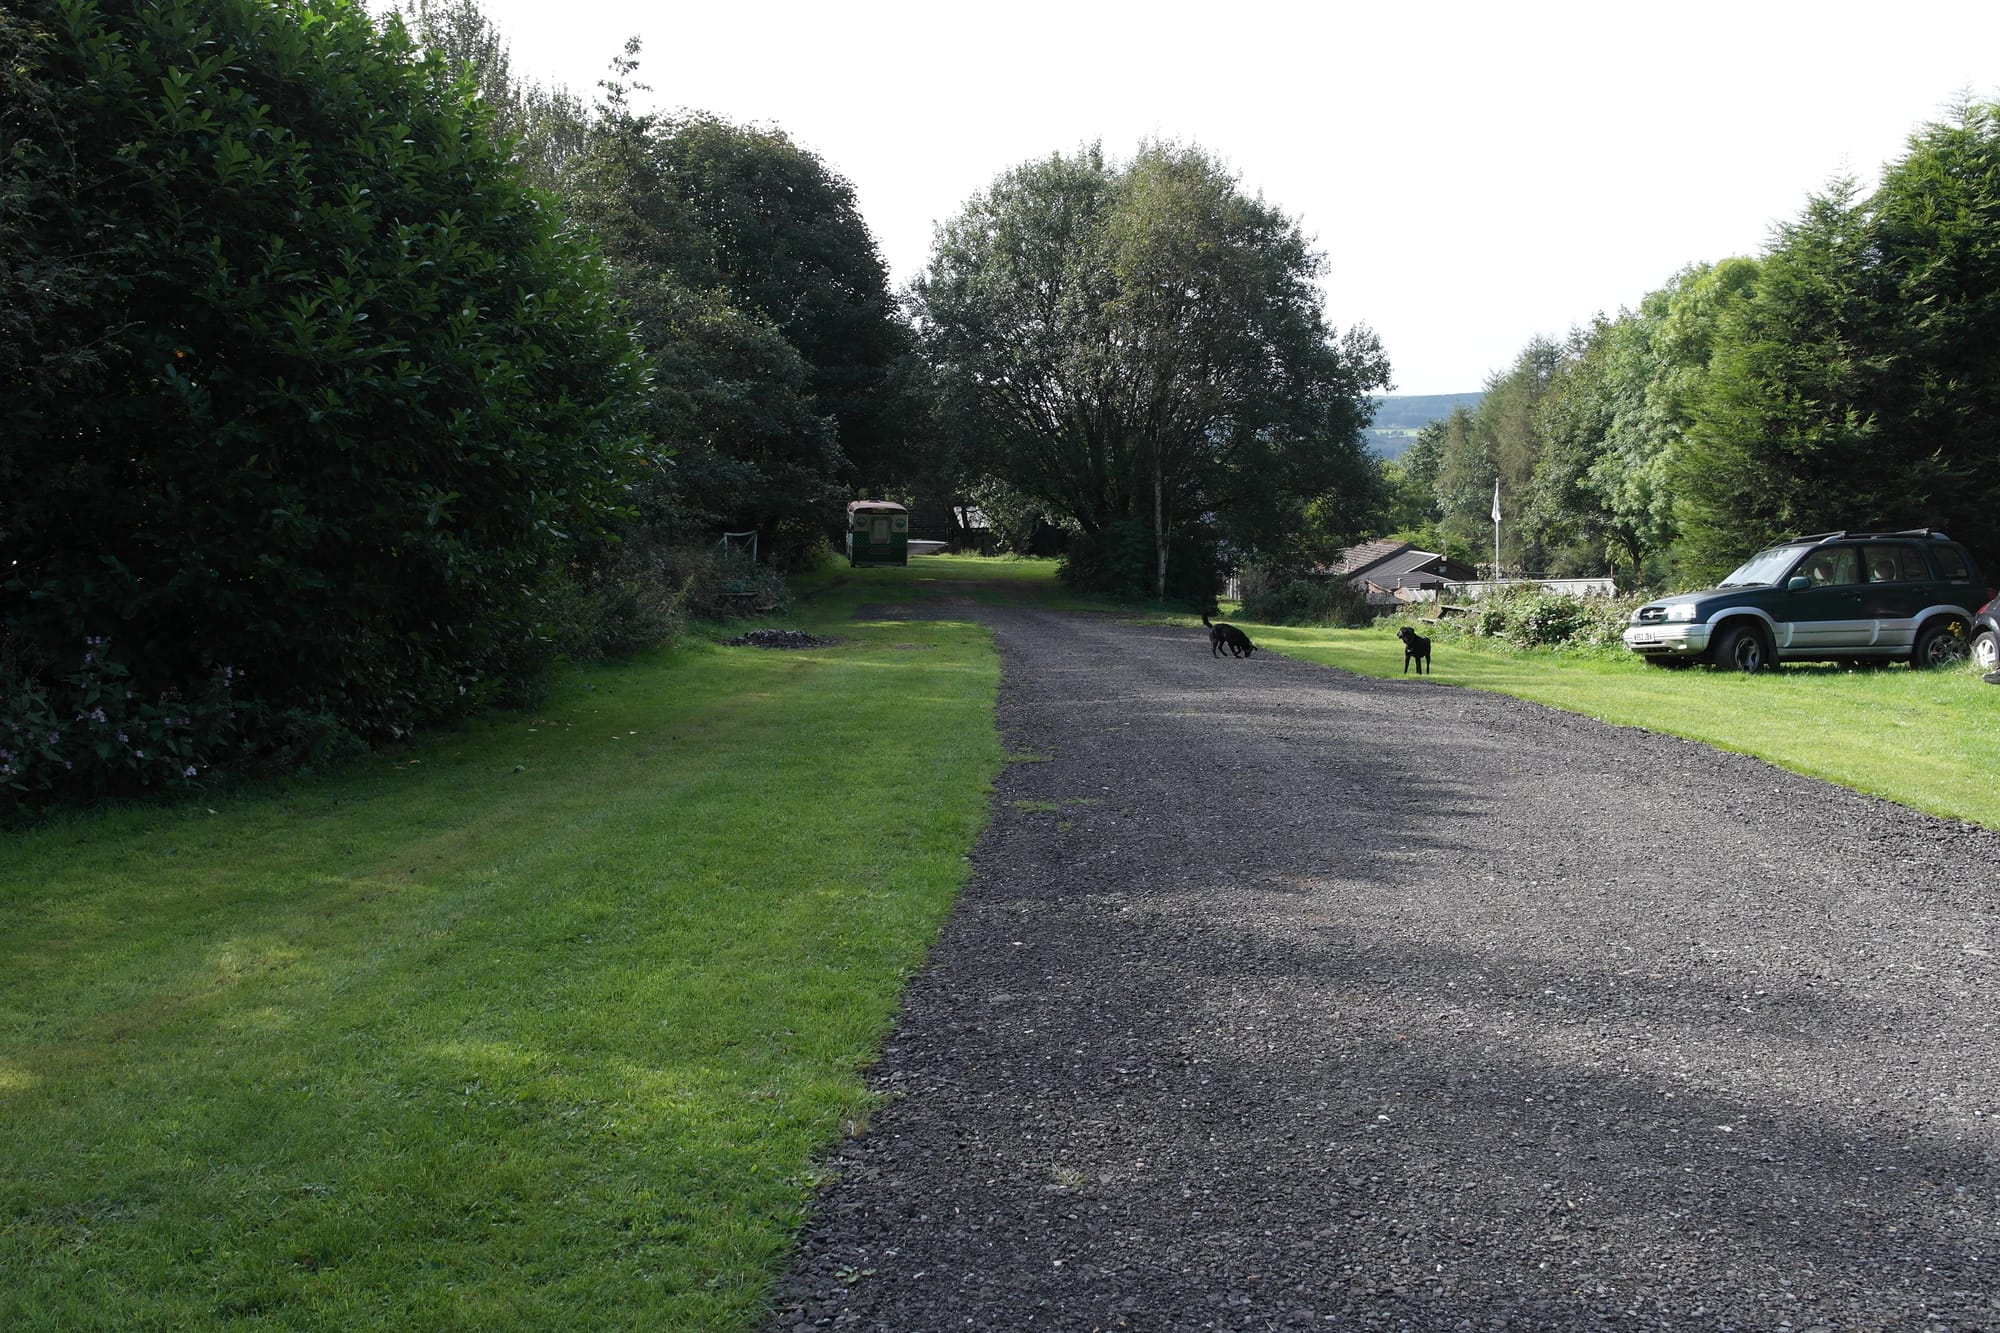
[779, 638]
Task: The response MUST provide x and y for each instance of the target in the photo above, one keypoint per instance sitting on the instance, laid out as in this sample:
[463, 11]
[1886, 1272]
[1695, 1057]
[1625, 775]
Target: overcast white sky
[1475, 173]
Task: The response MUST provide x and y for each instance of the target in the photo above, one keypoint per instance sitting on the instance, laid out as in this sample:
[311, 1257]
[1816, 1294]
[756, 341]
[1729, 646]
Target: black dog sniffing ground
[1225, 635]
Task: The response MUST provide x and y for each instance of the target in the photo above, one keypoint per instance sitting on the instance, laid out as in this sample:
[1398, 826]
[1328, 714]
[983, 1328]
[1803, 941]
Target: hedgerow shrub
[87, 732]
[1533, 617]
[297, 382]
[1280, 597]
[1121, 560]
[715, 587]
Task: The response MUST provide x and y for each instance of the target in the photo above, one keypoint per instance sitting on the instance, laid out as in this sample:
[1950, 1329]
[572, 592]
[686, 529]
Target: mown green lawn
[1927, 739]
[539, 1024]
[543, 1023]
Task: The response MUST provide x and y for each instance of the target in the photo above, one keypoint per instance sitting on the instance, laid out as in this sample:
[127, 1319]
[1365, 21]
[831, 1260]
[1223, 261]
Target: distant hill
[1398, 417]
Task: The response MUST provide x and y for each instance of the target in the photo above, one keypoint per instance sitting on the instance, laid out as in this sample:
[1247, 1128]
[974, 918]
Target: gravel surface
[1286, 999]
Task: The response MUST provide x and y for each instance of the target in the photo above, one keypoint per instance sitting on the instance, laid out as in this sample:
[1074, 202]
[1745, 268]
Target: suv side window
[1829, 565]
[1950, 562]
[1895, 563]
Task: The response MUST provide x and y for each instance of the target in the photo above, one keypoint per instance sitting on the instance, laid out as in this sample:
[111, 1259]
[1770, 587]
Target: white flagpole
[1496, 529]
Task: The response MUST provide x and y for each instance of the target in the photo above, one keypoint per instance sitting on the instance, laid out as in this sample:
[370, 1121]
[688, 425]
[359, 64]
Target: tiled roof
[1365, 556]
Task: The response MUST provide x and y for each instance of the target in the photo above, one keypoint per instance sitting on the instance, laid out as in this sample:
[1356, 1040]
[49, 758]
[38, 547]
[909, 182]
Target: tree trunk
[1159, 526]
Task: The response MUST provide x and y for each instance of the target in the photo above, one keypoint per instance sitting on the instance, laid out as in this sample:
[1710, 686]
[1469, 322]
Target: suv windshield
[1761, 569]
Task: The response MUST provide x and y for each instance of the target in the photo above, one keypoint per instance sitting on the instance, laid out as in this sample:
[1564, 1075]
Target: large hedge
[304, 397]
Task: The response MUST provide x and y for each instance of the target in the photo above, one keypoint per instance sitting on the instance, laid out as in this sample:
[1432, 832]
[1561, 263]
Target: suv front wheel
[1742, 648]
[1940, 643]
[1986, 650]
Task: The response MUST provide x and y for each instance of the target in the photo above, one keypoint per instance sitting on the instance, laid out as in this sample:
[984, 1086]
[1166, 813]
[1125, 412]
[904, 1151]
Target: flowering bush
[88, 734]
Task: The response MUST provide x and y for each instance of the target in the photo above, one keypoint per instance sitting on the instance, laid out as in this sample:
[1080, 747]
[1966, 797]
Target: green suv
[1854, 596]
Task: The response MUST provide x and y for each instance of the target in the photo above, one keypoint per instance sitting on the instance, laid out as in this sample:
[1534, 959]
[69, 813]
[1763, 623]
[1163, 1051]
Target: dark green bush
[297, 380]
[716, 587]
[1534, 617]
[625, 598]
[1281, 597]
[1121, 561]
[85, 731]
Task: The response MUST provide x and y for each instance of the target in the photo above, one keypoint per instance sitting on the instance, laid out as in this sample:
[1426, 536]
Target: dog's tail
[1205, 620]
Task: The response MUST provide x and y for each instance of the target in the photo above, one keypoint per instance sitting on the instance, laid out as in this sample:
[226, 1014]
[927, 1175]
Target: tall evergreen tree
[1781, 434]
[1860, 386]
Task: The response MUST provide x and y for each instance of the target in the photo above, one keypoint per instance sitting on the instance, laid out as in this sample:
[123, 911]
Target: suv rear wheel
[1986, 650]
[1742, 648]
[1940, 643]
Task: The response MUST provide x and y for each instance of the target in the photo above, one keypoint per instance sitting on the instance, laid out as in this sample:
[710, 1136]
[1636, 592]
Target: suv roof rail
[1934, 533]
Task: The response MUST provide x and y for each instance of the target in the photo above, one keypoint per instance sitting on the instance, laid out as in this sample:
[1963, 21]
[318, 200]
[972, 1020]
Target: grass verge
[539, 1024]
[1926, 739]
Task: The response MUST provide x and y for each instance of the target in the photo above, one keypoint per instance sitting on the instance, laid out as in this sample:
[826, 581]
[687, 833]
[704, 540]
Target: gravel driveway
[1286, 999]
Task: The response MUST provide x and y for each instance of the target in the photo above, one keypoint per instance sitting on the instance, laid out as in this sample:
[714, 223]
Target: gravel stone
[1323, 1002]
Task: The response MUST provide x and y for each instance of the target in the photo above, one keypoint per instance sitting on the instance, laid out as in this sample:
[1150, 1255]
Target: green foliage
[454, 1042]
[1530, 616]
[326, 394]
[1501, 441]
[1273, 595]
[1020, 523]
[547, 126]
[781, 233]
[85, 732]
[1848, 378]
[763, 308]
[1779, 439]
[1140, 342]
[1120, 561]
[620, 600]
[1859, 387]
[633, 596]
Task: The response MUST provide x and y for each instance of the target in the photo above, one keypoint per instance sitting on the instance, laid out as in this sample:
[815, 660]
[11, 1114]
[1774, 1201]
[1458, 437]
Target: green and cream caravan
[878, 533]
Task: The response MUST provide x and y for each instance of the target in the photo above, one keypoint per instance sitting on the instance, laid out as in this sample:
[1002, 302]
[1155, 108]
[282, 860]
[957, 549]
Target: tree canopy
[1141, 347]
[1849, 377]
[299, 383]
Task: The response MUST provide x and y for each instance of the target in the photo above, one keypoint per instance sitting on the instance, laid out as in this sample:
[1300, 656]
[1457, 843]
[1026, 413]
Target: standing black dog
[1227, 636]
[1416, 648]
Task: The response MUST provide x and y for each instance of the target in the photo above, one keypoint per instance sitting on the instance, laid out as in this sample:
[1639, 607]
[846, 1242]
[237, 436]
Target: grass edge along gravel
[541, 1023]
[1926, 739]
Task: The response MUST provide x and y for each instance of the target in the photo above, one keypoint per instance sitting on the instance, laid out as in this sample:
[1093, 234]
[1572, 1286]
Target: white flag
[1496, 499]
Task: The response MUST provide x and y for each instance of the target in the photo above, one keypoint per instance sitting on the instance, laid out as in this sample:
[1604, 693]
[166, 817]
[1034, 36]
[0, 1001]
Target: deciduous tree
[1142, 347]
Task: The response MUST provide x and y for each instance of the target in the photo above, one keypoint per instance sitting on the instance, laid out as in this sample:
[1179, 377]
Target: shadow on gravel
[1284, 999]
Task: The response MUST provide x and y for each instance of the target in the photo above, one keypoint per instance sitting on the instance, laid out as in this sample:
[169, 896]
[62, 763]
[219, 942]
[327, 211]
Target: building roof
[1367, 555]
[1407, 568]
[1394, 564]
